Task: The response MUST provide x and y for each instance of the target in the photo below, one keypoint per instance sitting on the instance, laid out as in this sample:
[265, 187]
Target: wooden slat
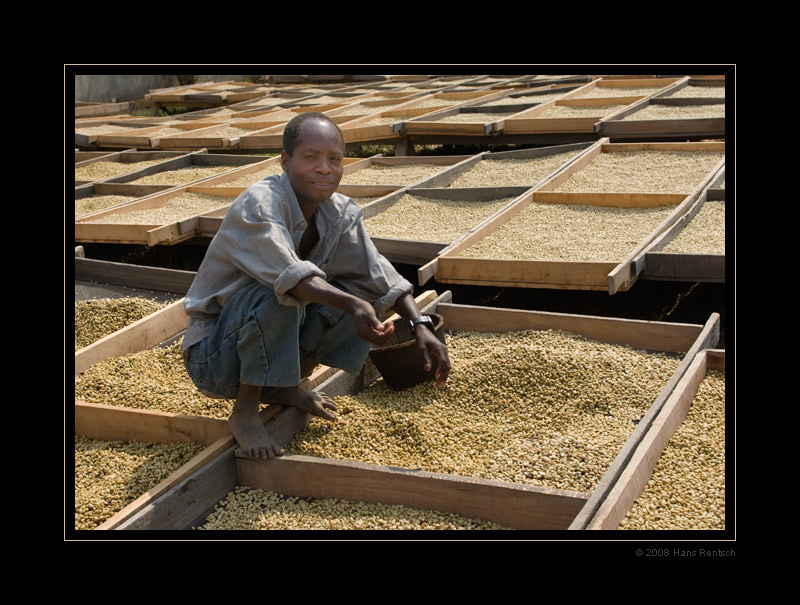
[133, 276]
[187, 500]
[112, 423]
[143, 334]
[511, 505]
[523, 273]
[640, 334]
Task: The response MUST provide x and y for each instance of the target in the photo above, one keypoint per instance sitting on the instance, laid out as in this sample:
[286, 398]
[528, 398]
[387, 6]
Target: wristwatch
[422, 319]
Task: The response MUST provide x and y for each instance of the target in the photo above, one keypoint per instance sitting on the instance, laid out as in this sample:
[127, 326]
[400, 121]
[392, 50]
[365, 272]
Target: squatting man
[292, 280]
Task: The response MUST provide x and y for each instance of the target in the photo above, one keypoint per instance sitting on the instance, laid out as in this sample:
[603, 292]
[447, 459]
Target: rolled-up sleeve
[265, 251]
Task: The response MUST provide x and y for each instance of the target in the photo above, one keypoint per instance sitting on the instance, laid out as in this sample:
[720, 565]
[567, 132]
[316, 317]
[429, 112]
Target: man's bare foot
[251, 435]
[312, 402]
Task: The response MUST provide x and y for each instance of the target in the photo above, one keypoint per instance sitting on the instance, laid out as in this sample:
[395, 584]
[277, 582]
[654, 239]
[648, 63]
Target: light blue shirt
[259, 239]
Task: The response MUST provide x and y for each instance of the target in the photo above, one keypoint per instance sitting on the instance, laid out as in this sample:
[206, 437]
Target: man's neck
[308, 208]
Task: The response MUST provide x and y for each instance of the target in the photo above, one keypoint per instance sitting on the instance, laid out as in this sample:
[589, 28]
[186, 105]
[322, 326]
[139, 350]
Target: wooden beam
[143, 334]
[508, 504]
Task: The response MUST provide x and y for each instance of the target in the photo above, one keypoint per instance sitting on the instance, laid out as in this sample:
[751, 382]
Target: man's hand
[368, 325]
[431, 348]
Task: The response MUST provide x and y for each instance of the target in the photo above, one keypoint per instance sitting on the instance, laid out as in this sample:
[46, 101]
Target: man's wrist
[422, 322]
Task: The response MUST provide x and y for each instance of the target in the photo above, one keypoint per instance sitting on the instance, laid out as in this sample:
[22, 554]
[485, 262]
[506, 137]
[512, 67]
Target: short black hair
[291, 133]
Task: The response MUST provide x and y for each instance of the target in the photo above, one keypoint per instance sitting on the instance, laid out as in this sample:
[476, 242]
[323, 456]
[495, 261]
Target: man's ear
[284, 159]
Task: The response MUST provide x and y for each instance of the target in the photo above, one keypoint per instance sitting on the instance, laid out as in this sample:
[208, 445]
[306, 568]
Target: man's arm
[316, 289]
[406, 307]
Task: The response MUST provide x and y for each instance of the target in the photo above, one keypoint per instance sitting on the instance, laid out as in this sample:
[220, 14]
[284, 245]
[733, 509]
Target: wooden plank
[660, 336]
[577, 164]
[149, 234]
[511, 505]
[188, 499]
[524, 273]
[613, 200]
[634, 479]
[708, 338]
[680, 127]
[113, 423]
[662, 266]
[104, 188]
[143, 334]
[133, 276]
[209, 136]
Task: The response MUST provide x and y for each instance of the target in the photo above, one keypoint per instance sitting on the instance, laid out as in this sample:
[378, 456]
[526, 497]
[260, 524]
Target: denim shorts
[258, 341]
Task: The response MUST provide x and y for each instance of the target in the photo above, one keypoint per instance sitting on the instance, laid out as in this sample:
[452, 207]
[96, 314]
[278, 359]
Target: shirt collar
[326, 211]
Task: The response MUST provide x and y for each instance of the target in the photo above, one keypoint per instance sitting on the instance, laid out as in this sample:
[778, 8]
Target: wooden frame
[517, 506]
[132, 156]
[679, 128]
[89, 140]
[135, 192]
[419, 252]
[272, 138]
[431, 124]
[645, 455]
[150, 234]
[443, 160]
[613, 276]
[655, 264]
[132, 276]
[142, 139]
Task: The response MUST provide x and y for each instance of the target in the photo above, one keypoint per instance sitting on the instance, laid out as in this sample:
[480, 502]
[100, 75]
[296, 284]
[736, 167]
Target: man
[290, 280]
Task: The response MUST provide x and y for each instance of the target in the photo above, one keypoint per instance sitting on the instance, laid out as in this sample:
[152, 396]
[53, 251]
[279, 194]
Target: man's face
[315, 166]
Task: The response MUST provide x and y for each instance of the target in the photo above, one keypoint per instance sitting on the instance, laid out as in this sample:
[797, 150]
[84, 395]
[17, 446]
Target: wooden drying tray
[213, 116]
[655, 264]
[212, 137]
[173, 93]
[528, 121]
[419, 252]
[138, 122]
[180, 159]
[613, 276]
[141, 138]
[368, 107]
[207, 224]
[358, 130]
[677, 128]
[171, 159]
[134, 192]
[245, 92]
[149, 234]
[205, 93]
[431, 124]
[444, 161]
[449, 175]
[130, 276]
[608, 513]
[272, 138]
[113, 423]
[509, 504]
[623, 83]
[354, 131]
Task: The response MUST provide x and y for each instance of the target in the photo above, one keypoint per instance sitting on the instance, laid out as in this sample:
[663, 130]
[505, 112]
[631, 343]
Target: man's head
[313, 156]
